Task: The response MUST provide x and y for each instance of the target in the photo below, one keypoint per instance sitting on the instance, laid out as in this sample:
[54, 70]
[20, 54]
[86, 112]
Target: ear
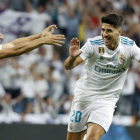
[120, 31]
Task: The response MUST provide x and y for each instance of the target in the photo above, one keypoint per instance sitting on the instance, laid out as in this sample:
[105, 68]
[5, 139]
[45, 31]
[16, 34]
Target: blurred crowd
[37, 83]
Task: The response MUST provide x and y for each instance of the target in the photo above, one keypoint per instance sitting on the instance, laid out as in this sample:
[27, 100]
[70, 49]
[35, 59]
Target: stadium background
[36, 89]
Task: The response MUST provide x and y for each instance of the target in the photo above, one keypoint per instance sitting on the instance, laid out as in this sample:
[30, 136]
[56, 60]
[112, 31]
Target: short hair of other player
[113, 19]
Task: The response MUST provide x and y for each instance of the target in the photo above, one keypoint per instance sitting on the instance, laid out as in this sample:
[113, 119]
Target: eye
[103, 29]
[109, 30]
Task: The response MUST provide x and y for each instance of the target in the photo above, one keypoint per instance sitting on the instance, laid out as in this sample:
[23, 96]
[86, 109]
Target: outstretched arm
[30, 38]
[15, 49]
[74, 59]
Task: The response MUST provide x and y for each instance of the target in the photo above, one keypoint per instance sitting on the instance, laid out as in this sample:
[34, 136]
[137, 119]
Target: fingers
[52, 27]
[78, 43]
[57, 41]
[72, 42]
[75, 41]
[59, 38]
[52, 30]
[57, 44]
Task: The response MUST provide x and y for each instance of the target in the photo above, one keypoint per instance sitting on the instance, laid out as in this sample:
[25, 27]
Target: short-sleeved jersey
[0, 47]
[105, 69]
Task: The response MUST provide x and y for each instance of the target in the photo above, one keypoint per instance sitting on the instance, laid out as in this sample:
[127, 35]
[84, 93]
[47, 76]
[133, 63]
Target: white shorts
[84, 112]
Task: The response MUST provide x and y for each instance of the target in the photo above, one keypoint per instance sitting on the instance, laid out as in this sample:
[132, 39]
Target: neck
[114, 45]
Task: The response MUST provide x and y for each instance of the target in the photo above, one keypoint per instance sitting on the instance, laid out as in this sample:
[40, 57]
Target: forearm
[28, 46]
[18, 49]
[26, 39]
[70, 63]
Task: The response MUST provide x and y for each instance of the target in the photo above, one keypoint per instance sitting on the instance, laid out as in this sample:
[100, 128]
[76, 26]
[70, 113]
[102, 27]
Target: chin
[108, 44]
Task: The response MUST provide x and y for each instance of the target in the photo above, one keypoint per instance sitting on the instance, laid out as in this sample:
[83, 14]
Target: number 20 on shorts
[77, 117]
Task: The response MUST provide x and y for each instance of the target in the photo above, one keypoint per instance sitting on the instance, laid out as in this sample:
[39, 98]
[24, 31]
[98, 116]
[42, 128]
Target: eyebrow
[106, 29]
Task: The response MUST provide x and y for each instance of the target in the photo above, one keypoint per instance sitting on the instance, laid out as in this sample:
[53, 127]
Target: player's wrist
[42, 40]
[40, 35]
[73, 57]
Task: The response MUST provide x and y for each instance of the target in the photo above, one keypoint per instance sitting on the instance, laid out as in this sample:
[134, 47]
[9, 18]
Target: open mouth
[107, 40]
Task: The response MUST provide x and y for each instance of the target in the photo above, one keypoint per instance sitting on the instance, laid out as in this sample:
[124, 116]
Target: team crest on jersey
[101, 50]
[122, 58]
[70, 126]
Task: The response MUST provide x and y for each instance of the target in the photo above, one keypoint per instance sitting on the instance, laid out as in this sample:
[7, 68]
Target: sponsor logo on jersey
[101, 50]
[122, 58]
[70, 126]
[101, 58]
[106, 70]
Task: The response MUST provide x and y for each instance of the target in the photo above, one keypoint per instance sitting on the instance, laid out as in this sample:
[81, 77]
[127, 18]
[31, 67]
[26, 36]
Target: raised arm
[18, 47]
[29, 38]
[74, 59]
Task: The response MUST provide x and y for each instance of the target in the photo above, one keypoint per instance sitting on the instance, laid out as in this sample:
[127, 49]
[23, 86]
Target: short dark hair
[113, 19]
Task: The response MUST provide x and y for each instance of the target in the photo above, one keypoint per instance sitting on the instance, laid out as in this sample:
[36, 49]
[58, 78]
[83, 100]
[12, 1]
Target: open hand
[51, 39]
[74, 49]
[48, 29]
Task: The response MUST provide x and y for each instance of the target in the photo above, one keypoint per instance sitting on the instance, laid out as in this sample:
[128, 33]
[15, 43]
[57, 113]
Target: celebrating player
[107, 58]
[23, 45]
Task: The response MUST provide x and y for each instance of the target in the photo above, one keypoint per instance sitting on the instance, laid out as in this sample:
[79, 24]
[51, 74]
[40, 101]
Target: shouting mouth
[107, 40]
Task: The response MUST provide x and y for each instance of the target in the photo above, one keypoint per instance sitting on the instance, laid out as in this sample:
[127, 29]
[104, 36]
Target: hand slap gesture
[74, 49]
[51, 39]
[48, 29]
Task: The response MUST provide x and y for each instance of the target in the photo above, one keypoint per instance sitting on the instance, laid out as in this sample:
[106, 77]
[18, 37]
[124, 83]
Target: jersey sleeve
[0, 47]
[135, 52]
[87, 51]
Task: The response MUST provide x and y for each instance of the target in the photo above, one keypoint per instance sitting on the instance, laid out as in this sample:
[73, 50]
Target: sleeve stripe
[100, 43]
[97, 42]
[126, 41]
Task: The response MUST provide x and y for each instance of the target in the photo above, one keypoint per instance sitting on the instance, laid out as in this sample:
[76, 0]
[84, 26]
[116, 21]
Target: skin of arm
[23, 45]
[74, 59]
[20, 40]
[72, 62]
[30, 38]
[18, 49]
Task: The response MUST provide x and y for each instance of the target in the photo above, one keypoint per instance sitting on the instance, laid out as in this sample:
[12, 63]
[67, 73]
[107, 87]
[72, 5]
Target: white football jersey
[105, 69]
[0, 47]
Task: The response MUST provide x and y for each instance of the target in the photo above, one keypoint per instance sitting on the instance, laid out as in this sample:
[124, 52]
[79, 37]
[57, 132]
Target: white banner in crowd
[12, 23]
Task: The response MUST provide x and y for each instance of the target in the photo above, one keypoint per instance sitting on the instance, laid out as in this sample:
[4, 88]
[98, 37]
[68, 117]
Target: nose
[105, 34]
[1, 36]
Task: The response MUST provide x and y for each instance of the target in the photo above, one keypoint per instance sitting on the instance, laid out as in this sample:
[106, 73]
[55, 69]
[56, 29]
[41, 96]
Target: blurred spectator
[73, 19]
[28, 92]
[18, 5]
[50, 107]
[67, 105]
[7, 109]
[62, 23]
[4, 4]
[2, 92]
[127, 94]
[42, 19]
[41, 86]
[56, 87]
[56, 62]
[7, 104]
